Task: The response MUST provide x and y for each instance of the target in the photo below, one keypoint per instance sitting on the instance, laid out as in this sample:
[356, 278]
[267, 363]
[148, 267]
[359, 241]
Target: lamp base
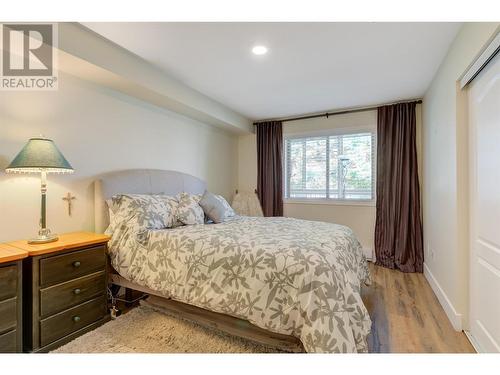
[46, 239]
[44, 236]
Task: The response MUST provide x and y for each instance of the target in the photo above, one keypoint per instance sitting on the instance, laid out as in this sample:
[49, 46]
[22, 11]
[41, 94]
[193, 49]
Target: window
[337, 167]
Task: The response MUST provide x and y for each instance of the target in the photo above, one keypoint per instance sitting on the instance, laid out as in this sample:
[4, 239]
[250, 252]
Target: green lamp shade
[40, 155]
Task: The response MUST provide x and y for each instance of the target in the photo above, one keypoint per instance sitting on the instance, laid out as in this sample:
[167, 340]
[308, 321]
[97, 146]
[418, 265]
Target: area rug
[146, 329]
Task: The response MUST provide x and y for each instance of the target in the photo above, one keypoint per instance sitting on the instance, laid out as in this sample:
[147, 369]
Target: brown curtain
[398, 227]
[269, 167]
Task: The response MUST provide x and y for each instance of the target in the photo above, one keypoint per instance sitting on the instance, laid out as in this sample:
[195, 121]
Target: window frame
[325, 133]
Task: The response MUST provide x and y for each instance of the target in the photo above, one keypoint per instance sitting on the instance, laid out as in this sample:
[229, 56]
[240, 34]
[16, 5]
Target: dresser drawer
[65, 267]
[71, 293]
[71, 320]
[8, 342]
[8, 282]
[8, 314]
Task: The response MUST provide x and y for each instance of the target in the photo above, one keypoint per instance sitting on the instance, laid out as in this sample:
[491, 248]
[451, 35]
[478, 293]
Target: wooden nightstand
[11, 311]
[65, 285]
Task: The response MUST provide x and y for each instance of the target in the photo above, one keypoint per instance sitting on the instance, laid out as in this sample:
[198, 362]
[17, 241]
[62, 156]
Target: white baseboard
[473, 342]
[454, 317]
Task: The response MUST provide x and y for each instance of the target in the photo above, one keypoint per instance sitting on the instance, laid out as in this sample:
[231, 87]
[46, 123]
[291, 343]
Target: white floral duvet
[295, 277]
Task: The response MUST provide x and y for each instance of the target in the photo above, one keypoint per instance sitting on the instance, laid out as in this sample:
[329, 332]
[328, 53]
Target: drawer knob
[77, 291]
[76, 319]
[76, 264]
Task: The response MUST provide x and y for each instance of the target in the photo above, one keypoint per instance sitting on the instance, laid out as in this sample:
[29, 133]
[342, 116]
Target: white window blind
[337, 167]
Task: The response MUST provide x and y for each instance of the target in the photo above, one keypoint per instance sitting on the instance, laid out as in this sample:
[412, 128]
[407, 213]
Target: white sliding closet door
[484, 120]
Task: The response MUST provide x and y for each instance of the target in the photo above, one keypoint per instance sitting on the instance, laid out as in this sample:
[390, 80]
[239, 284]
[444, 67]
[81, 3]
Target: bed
[279, 281]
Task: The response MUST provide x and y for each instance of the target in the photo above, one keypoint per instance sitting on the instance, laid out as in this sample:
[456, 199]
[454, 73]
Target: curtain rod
[328, 114]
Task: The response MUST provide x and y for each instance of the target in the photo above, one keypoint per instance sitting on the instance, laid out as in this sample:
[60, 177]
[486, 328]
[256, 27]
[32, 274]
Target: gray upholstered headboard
[140, 181]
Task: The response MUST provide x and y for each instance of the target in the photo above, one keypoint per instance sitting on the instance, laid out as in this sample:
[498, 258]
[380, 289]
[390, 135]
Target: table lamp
[40, 155]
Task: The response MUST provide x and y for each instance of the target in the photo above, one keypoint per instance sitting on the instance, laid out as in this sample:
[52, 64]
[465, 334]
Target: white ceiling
[310, 67]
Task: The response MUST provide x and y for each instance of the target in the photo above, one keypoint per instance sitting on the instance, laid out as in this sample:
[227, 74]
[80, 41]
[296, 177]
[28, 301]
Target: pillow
[229, 212]
[172, 205]
[189, 211]
[111, 209]
[216, 207]
[213, 207]
[142, 211]
[111, 214]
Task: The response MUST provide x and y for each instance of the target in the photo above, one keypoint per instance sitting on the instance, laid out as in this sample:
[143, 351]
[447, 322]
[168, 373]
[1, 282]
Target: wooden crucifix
[69, 198]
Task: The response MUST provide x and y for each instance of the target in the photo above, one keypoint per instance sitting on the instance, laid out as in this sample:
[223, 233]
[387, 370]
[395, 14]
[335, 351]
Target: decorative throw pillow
[141, 212]
[229, 212]
[216, 207]
[213, 207]
[189, 211]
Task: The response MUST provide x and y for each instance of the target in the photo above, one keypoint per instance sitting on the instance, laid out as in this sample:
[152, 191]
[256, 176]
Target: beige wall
[247, 162]
[99, 130]
[360, 217]
[445, 174]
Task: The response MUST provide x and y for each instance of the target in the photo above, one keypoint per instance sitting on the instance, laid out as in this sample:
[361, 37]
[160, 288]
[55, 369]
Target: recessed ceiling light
[259, 50]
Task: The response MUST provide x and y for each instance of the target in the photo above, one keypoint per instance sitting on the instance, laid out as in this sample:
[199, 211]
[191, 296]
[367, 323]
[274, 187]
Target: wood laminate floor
[407, 317]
